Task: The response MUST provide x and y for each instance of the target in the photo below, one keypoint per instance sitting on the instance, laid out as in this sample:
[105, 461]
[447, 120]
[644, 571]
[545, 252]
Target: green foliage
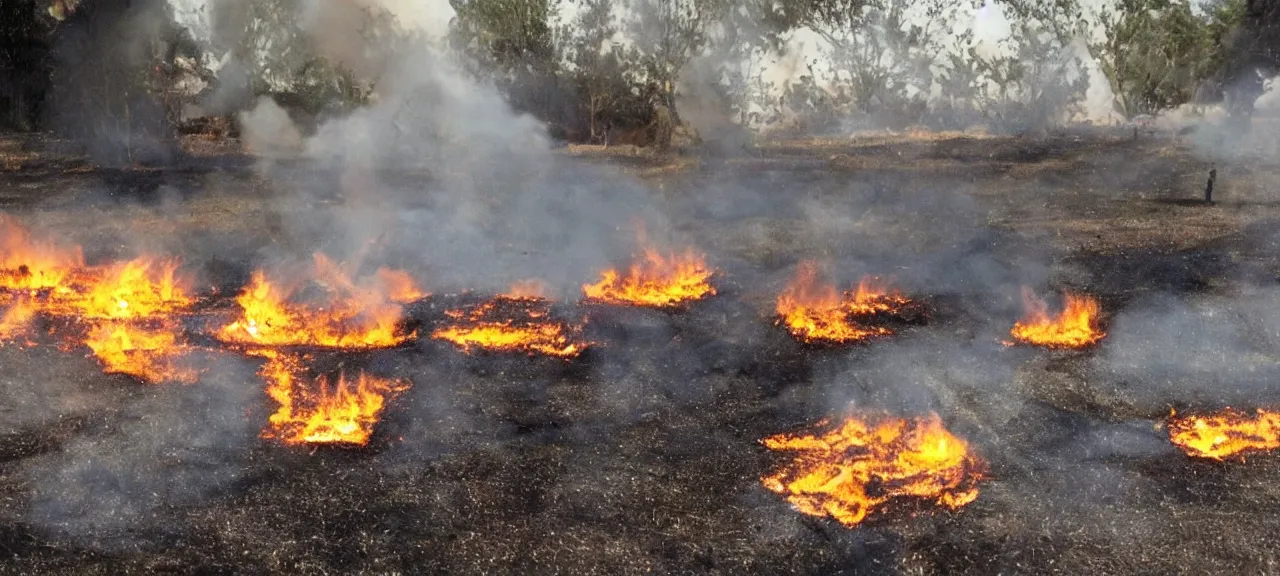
[1156, 54]
[506, 35]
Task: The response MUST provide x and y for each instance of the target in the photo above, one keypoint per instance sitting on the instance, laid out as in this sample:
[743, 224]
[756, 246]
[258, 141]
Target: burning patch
[656, 281]
[1075, 327]
[16, 319]
[149, 353]
[27, 264]
[130, 304]
[814, 312]
[364, 314]
[875, 295]
[1225, 434]
[850, 470]
[321, 411]
[516, 322]
[145, 287]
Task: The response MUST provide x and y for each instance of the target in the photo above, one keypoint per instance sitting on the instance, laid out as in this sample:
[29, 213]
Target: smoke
[116, 486]
[1202, 353]
[268, 131]
[104, 98]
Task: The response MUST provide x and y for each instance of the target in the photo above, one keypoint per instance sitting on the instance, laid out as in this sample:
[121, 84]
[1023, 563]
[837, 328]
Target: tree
[1154, 54]
[24, 63]
[1251, 50]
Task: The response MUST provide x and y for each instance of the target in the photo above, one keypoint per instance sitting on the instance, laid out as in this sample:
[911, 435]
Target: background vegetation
[635, 71]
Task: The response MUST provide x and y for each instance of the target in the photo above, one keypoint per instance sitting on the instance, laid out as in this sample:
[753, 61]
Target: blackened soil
[643, 455]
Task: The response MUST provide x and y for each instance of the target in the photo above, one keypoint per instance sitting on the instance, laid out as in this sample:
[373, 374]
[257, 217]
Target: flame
[1226, 433]
[150, 354]
[357, 315]
[1076, 327]
[528, 289]
[27, 264]
[515, 322]
[16, 319]
[852, 469]
[657, 280]
[399, 286]
[322, 412]
[145, 287]
[874, 295]
[813, 311]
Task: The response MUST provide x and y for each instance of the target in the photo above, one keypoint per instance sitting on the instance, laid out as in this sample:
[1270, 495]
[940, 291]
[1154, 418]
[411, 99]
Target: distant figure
[1208, 187]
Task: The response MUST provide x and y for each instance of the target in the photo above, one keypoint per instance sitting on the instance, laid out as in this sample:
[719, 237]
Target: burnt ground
[643, 455]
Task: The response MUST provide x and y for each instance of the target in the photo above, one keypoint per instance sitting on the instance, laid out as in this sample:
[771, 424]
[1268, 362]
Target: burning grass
[129, 305]
[1225, 434]
[129, 312]
[322, 411]
[657, 280]
[516, 322]
[1076, 327]
[849, 471]
[29, 264]
[813, 312]
[152, 353]
[353, 314]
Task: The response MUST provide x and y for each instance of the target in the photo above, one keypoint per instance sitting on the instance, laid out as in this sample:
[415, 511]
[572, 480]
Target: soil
[643, 455]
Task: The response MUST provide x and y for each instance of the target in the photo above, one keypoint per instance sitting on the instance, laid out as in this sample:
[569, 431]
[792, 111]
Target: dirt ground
[643, 456]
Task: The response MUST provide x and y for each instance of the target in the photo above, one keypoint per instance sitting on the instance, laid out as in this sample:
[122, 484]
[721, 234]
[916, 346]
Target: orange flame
[323, 413]
[813, 311]
[851, 470]
[365, 315]
[1227, 433]
[16, 319]
[516, 322]
[659, 281]
[1076, 327]
[27, 264]
[150, 354]
[874, 295]
[141, 288]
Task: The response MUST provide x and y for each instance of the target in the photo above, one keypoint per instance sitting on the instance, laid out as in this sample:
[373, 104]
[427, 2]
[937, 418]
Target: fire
[516, 322]
[657, 280]
[1075, 327]
[322, 412]
[16, 319]
[1227, 433]
[145, 287]
[27, 264]
[150, 354]
[814, 312]
[356, 315]
[874, 295]
[851, 470]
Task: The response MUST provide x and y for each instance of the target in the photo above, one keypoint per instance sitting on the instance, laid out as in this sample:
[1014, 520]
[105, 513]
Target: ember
[322, 412]
[513, 323]
[658, 281]
[813, 311]
[1076, 327]
[356, 315]
[1225, 434]
[853, 469]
